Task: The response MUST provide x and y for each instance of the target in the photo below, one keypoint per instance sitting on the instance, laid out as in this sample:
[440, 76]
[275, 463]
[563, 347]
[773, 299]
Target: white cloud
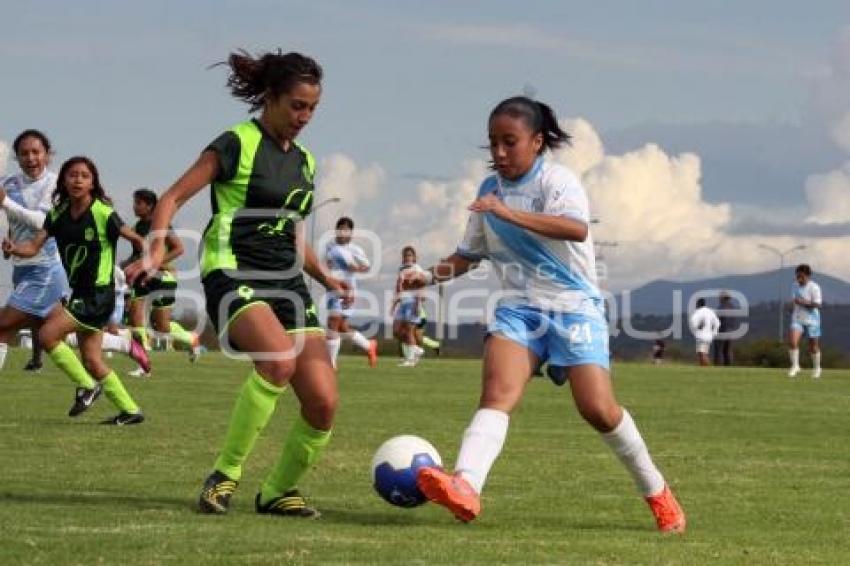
[828, 195]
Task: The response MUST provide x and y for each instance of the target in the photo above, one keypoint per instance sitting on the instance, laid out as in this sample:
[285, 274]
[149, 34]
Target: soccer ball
[395, 465]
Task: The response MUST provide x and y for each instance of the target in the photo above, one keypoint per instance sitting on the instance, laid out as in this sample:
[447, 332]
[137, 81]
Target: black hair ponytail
[539, 117]
[251, 78]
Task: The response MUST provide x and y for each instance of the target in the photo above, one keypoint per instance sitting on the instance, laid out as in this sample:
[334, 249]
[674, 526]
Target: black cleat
[290, 504]
[123, 418]
[32, 366]
[83, 399]
[558, 374]
[215, 495]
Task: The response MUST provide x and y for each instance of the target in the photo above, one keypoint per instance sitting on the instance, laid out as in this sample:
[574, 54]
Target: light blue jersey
[550, 302]
[26, 205]
[40, 281]
[341, 260]
[807, 319]
[408, 301]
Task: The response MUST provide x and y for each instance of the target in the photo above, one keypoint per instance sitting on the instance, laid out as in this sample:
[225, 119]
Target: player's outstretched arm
[131, 236]
[174, 245]
[25, 249]
[198, 176]
[453, 266]
[550, 226]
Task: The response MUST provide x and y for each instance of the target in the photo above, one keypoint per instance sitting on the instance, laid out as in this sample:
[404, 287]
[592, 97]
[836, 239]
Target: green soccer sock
[180, 335]
[254, 407]
[430, 343]
[304, 444]
[115, 392]
[142, 334]
[65, 359]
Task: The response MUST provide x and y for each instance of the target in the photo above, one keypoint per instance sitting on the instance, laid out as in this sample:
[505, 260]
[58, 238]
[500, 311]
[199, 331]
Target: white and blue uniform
[341, 259]
[39, 281]
[121, 289]
[807, 319]
[550, 301]
[408, 306]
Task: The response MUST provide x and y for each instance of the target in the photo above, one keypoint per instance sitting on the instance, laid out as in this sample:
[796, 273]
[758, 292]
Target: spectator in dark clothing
[728, 324]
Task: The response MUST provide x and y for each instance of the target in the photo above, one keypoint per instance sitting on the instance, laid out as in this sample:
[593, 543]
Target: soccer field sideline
[760, 463]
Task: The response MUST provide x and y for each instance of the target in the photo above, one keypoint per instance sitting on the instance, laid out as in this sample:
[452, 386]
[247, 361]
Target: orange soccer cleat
[451, 491]
[668, 514]
[372, 352]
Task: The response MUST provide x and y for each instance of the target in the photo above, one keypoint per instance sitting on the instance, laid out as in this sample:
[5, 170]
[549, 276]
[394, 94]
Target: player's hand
[2, 195]
[8, 247]
[143, 269]
[490, 203]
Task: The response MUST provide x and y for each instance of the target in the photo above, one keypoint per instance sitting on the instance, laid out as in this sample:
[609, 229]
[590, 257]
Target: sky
[702, 130]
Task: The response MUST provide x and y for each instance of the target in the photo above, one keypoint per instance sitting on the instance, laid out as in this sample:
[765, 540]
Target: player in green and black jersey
[161, 289]
[86, 230]
[261, 189]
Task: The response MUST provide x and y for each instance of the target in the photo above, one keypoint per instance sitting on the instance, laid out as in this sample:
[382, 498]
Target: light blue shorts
[407, 312]
[335, 306]
[38, 288]
[811, 329]
[559, 338]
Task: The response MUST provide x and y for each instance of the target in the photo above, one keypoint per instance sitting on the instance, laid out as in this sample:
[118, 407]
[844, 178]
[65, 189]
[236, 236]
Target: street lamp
[782, 255]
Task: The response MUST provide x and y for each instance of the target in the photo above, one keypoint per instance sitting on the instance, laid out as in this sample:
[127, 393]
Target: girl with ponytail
[531, 220]
[254, 251]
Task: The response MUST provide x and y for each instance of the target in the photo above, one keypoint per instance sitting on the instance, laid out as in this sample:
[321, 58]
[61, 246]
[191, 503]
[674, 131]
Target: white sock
[816, 360]
[482, 443]
[795, 357]
[71, 340]
[628, 445]
[407, 351]
[417, 350]
[4, 348]
[113, 343]
[358, 340]
[333, 349]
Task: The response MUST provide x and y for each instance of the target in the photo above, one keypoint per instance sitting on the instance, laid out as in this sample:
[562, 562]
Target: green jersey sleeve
[227, 148]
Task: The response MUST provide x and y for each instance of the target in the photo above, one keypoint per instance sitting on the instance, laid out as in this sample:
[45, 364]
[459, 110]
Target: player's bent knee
[604, 417]
[320, 413]
[277, 372]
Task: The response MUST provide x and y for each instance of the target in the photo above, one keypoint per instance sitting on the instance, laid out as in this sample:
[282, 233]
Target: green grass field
[761, 465]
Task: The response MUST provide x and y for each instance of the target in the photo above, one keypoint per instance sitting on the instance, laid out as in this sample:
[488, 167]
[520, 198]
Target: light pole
[782, 255]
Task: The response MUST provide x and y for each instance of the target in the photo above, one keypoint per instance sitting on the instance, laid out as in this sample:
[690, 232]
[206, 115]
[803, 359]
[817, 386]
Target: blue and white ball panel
[38, 288]
[395, 466]
[559, 338]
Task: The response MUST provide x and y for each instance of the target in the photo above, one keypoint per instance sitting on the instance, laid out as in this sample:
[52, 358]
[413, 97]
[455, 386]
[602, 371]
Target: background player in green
[262, 187]
[86, 230]
[161, 288]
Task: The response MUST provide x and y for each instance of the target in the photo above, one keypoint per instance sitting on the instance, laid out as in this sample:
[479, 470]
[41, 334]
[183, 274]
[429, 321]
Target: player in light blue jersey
[40, 281]
[407, 308]
[531, 221]
[805, 319]
[346, 259]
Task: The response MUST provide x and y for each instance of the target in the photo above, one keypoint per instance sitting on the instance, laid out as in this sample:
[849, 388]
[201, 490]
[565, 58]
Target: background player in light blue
[805, 319]
[346, 259]
[407, 308]
[531, 220]
[39, 281]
